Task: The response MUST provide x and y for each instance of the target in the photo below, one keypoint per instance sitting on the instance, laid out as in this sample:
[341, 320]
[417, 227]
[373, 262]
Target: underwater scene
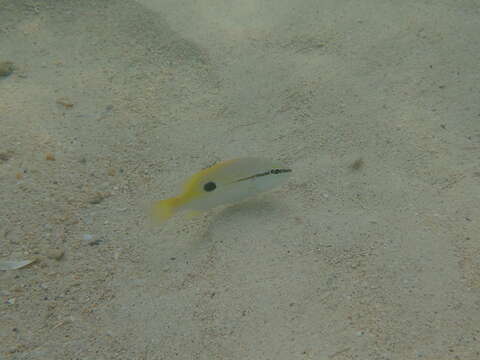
[240, 179]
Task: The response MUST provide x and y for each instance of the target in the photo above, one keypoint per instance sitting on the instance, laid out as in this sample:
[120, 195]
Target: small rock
[87, 237]
[50, 156]
[5, 156]
[98, 197]
[65, 103]
[15, 349]
[357, 164]
[95, 242]
[6, 68]
[55, 254]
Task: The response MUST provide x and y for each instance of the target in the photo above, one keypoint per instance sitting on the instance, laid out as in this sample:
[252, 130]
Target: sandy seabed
[372, 249]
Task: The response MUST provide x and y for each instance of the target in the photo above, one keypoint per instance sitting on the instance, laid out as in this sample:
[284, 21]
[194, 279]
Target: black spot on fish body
[209, 186]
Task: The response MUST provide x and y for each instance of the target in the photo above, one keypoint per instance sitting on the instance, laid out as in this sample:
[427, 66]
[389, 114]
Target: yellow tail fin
[163, 210]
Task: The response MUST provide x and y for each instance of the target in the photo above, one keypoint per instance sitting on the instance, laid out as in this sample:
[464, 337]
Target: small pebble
[87, 237]
[55, 254]
[50, 156]
[357, 164]
[98, 197]
[6, 68]
[95, 242]
[5, 156]
[65, 103]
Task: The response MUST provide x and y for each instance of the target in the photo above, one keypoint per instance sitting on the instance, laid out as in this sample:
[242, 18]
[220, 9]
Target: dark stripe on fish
[271, 172]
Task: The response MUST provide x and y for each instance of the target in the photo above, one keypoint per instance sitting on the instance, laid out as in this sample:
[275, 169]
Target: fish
[224, 183]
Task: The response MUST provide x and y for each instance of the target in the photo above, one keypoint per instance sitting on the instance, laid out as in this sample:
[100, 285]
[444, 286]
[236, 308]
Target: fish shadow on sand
[250, 211]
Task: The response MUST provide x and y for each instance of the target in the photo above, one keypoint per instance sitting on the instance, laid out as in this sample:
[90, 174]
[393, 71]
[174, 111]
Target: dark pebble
[6, 68]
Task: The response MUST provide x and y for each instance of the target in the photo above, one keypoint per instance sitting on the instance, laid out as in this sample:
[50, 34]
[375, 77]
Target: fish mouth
[266, 173]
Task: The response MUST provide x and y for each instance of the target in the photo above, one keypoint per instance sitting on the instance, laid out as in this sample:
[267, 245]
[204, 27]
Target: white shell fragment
[14, 265]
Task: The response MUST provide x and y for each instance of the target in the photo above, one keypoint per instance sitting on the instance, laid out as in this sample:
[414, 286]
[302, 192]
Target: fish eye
[209, 186]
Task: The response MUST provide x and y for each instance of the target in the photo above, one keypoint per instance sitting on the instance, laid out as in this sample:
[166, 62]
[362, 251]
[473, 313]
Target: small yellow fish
[223, 183]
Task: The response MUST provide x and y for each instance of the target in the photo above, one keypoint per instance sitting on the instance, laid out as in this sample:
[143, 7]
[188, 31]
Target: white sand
[381, 262]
